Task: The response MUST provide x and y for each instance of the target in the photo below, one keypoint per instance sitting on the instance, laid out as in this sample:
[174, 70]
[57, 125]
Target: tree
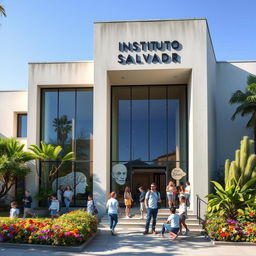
[51, 161]
[62, 126]
[13, 161]
[247, 104]
[2, 11]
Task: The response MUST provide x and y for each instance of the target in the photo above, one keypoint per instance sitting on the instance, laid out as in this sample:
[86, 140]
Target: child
[127, 201]
[142, 199]
[183, 214]
[14, 212]
[91, 208]
[27, 200]
[54, 207]
[172, 224]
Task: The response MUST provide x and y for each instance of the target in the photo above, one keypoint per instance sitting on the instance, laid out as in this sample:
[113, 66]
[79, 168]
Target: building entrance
[145, 176]
[148, 135]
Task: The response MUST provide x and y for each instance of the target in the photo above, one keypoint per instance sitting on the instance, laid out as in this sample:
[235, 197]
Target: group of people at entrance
[151, 201]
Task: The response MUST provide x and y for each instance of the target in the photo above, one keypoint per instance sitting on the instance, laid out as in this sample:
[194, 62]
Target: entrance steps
[136, 222]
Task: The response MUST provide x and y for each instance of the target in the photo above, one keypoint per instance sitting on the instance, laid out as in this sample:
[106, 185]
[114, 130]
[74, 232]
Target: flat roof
[236, 61]
[61, 62]
[13, 91]
[153, 20]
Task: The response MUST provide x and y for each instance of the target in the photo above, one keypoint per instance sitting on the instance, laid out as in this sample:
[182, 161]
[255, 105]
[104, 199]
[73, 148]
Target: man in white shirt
[152, 200]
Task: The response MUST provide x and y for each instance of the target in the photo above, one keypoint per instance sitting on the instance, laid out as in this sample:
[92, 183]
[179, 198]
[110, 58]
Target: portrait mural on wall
[119, 174]
[80, 182]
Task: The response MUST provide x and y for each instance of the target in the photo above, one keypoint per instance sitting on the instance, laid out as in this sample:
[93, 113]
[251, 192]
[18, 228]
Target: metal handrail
[198, 208]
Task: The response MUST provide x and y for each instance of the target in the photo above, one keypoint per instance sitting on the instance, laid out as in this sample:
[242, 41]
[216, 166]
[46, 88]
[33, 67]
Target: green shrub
[231, 198]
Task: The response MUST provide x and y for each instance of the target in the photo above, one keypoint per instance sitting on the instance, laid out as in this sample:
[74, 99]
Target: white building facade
[155, 98]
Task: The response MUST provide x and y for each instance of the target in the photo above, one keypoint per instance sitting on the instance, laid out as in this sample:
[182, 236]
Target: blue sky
[62, 30]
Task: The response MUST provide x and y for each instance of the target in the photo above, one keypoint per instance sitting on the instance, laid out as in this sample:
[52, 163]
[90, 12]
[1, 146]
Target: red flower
[239, 213]
[251, 214]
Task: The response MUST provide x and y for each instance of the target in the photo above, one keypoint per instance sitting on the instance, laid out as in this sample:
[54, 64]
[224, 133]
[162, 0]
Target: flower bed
[241, 229]
[70, 229]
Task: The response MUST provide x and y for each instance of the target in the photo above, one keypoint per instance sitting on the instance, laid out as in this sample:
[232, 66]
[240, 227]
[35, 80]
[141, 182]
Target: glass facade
[22, 125]
[149, 134]
[67, 120]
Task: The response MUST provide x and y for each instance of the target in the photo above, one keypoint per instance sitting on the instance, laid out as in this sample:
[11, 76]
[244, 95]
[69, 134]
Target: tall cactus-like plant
[244, 167]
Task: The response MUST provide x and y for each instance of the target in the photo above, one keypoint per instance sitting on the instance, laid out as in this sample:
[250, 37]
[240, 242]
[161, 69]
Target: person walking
[27, 200]
[68, 195]
[91, 208]
[127, 201]
[112, 206]
[54, 207]
[171, 194]
[152, 199]
[142, 201]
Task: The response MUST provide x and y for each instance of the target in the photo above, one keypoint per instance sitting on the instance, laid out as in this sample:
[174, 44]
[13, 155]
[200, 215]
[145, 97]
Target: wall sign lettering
[151, 52]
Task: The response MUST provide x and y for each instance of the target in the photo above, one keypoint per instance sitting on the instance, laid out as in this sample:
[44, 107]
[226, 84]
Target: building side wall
[211, 113]
[231, 76]
[11, 104]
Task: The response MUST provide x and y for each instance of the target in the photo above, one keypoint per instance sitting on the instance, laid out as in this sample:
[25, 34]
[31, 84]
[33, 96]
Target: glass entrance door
[148, 130]
[144, 177]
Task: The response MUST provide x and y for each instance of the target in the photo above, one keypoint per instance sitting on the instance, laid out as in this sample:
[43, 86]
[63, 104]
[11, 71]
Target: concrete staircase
[136, 223]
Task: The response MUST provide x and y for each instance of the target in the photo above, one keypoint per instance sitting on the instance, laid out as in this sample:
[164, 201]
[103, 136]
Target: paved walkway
[134, 243]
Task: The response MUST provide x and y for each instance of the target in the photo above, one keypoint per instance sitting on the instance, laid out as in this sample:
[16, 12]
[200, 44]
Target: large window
[149, 129]
[67, 120]
[22, 125]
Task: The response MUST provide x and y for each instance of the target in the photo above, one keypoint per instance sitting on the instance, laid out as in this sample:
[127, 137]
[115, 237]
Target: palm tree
[48, 153]
[62, 126]
[2, 11]
[247, 104]
[13, 163]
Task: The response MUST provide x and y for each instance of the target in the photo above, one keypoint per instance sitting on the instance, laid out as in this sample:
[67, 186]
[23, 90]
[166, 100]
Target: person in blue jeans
[172, 224]
[112, 206]
[68, 195]
[151, 203]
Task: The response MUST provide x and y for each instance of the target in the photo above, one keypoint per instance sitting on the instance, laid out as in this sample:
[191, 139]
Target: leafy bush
[70, 229]
[228, 200]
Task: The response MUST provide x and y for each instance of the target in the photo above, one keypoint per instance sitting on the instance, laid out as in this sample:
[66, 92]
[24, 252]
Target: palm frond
[238, 97]
[251, 79]
[252, 121]
[243, 109]
[2, 11]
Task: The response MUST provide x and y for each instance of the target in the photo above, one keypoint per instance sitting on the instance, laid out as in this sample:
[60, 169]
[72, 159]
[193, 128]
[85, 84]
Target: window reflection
[67, 120]
[140, 123]
[149, 123]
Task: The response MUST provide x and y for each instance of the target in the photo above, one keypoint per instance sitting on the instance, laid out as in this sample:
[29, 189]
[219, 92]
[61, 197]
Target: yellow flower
[30, 237]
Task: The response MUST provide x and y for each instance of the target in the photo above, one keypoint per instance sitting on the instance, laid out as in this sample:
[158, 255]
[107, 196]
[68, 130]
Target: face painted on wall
[119, 173]
[79, 184]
